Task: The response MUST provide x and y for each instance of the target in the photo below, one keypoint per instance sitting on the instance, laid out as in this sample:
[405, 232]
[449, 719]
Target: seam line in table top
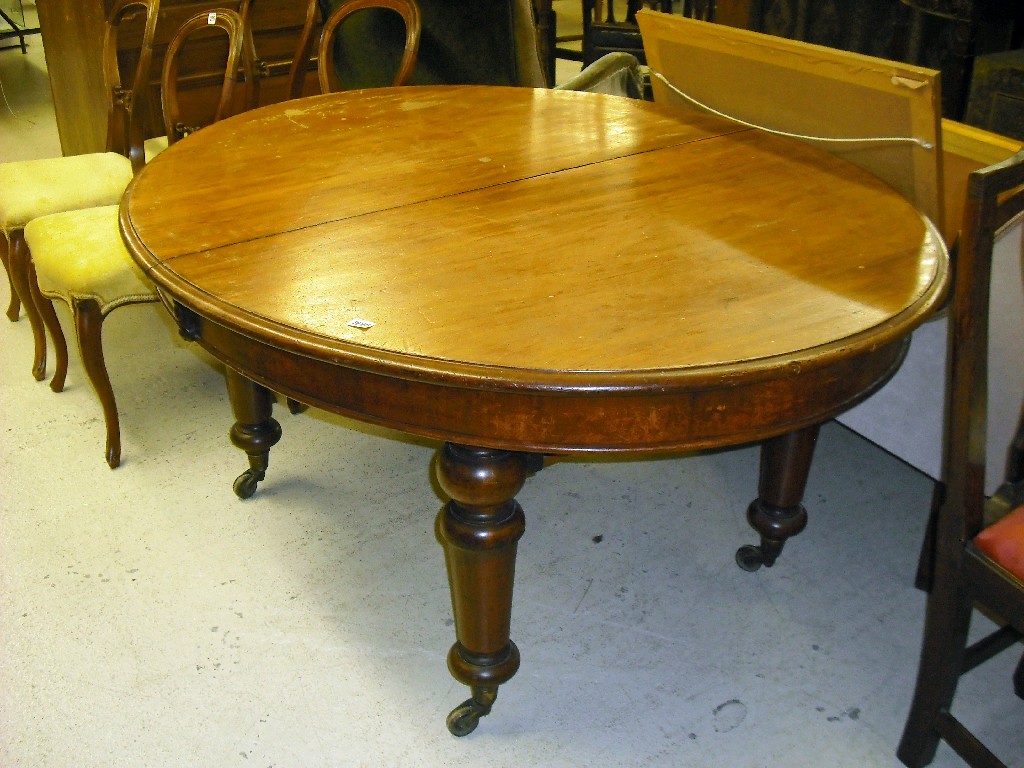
[327, 222]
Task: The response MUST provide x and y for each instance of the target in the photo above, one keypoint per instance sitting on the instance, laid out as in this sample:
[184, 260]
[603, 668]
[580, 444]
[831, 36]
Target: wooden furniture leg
[20, 266]
[89, 327]
[778, 512]
[1015, 456]
[44, 306]
[14, 307]
[1018, 679]
[255, 430]
[935, 692]
[479, 528]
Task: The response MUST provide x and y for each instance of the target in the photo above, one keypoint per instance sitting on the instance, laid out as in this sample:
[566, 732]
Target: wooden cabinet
[72, 35]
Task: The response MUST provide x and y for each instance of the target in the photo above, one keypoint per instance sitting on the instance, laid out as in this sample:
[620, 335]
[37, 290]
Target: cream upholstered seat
[33, 188]
[78, 255]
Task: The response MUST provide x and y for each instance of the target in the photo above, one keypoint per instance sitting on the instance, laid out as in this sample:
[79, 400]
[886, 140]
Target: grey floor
[150, 618]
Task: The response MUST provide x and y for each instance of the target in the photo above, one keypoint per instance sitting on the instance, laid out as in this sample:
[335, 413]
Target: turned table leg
[778, 512]
[255, 430]
[479, 529]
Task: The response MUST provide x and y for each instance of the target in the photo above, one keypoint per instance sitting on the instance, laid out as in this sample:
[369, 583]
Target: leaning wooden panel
[810, 90]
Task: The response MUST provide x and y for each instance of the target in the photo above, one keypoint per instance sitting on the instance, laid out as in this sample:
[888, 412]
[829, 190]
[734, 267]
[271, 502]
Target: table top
[515, 239]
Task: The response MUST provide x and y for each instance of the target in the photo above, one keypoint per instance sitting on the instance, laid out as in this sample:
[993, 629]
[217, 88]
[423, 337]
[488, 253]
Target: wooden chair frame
[324, 52]
[407, 9]
[240, 49]
[962, 576]
[124, 133]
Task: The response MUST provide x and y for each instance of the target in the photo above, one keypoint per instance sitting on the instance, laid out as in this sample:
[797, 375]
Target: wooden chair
[33, 188]
[251, 70]
[79, 256]
[311, 29]
[241, 52]
[407, 9]
[978, 544]
[486, 42]
[881, 115]
[325, 64]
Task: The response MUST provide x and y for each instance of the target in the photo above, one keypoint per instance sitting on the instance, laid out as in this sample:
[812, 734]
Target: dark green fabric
[470, 42]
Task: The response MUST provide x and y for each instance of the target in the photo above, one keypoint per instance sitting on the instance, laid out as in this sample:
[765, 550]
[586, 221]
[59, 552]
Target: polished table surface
[520, 272]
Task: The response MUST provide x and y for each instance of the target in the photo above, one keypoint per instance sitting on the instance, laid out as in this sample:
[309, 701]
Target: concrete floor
[150, 618]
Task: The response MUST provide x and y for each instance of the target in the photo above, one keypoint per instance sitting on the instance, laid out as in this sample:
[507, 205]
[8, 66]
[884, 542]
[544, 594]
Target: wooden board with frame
[810, 91]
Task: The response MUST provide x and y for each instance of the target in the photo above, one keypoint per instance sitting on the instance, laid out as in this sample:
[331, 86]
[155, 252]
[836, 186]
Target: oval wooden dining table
[521, 273]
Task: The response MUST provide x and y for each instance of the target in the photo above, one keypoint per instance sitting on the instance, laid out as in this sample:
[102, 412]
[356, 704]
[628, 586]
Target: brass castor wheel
[464, 719]
[749, 557]
[245, 483]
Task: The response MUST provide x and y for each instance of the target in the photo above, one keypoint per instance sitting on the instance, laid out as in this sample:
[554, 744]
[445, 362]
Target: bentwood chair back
[79, 256]
[311, 29]
[485, 42]
[241, 51]
[407, 9]
[977, 545]
[318, 39]
[124, 134]
[33, 188]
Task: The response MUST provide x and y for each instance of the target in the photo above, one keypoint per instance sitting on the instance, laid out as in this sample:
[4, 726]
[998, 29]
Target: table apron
[734, 412]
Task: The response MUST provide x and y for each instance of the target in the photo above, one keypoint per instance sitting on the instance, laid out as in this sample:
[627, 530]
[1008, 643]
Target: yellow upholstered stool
[79, 258]
[32, 188]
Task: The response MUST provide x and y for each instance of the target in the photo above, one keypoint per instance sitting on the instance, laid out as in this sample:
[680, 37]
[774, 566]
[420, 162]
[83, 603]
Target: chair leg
[60, 345]
[924, 577]
[1015, 456]
[947, 621]
[1018, 679]
[14, 308]
[20, 266]
[89, 328]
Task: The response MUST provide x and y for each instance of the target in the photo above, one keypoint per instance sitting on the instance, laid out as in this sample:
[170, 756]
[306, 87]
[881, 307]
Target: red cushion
[1004, 542]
